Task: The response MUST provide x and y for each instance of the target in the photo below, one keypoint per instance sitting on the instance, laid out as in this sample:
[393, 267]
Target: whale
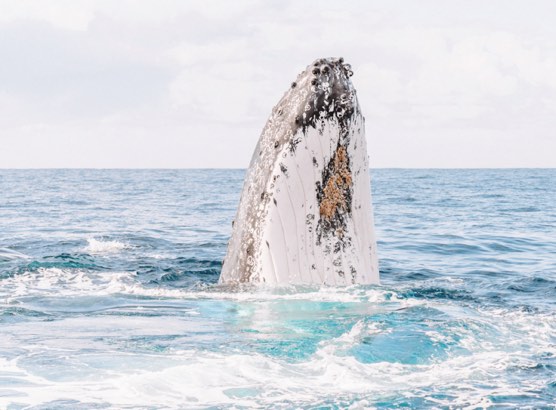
[305, 213]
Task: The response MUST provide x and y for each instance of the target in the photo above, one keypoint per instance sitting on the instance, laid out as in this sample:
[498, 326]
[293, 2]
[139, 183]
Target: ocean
[109, 297]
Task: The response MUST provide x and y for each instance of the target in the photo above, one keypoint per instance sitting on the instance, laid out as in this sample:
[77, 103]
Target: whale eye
[316, 71]
[294, 84]
[314, 81]
[326, 69]
[341, 60]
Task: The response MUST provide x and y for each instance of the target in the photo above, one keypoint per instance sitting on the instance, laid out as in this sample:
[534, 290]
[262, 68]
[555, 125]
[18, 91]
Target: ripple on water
[109, 297]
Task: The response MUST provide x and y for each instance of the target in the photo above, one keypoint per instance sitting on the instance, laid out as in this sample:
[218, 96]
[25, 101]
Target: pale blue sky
[178, 84]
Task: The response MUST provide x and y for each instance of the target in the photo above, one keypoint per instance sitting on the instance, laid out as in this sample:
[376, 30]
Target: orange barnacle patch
[336, 189]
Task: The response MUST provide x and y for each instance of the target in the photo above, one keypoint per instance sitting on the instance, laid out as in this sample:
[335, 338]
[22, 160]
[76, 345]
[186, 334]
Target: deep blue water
[108, 297]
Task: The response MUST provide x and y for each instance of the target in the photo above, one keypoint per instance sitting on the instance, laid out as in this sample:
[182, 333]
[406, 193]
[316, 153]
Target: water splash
[96, 246]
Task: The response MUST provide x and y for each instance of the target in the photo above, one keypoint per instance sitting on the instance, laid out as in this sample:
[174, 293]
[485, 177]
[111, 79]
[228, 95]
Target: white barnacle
[343, 99]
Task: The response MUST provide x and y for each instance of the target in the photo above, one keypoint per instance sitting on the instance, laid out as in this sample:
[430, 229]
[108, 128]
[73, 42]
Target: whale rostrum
[305, 213]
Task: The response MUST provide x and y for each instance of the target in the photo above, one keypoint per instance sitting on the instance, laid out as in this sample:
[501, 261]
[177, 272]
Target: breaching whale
[305, 213]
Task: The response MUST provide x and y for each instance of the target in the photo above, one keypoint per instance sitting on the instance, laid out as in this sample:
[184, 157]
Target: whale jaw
[305, 214]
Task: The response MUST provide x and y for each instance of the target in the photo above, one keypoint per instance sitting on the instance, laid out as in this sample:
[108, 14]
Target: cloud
[443, 75]
[65, 14]
[218, 94]
[79, 14]
[173, 75]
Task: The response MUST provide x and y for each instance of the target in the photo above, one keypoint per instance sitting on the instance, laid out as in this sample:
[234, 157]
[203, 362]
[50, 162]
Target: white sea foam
[495, 342]
[195, 378]
[65, 282]
[9, 254]
[71, 282]
[96, 246]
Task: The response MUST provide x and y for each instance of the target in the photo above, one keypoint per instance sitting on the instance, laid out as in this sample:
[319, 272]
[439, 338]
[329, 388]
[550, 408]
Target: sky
[190, 84]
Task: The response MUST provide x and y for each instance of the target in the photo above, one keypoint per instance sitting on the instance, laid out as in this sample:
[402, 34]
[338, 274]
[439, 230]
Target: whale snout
[331, 93]
[330, 70]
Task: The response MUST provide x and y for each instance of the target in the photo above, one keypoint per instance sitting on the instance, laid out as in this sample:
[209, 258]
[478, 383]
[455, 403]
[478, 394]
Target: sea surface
[109, 297]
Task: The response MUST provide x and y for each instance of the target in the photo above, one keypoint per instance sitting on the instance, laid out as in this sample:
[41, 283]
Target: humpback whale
[305, 213]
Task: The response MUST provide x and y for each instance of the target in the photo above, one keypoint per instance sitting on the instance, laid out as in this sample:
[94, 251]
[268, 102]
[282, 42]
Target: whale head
[321, 92]
[305, 213]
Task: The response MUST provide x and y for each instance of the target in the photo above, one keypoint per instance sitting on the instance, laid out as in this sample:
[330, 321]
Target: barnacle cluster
[335, 193]
[332, 94]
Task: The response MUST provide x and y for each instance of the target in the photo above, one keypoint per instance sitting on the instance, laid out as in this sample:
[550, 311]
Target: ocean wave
[134, 317]
[329, 377]
[46, 282]
[9, 255]
[467, 356]
[96, 246]
[69, 283]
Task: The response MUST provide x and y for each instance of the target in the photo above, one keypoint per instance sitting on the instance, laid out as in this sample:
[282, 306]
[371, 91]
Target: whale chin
[305, 213]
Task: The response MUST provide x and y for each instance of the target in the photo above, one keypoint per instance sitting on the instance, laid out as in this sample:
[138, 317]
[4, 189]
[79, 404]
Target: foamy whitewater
[109, 297]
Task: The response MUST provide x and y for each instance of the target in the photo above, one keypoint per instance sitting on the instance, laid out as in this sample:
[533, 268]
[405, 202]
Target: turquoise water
[108, 297]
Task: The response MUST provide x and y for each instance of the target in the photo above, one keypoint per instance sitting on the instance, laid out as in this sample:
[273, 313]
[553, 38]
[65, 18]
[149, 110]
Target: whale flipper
[305, 214]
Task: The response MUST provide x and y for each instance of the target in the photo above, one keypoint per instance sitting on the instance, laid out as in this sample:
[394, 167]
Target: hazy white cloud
[65, 14]
[174, 83]
[222, 96]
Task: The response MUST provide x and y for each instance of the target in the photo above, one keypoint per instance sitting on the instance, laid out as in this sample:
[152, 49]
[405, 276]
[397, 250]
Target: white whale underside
[305, 215]
[291, 253]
